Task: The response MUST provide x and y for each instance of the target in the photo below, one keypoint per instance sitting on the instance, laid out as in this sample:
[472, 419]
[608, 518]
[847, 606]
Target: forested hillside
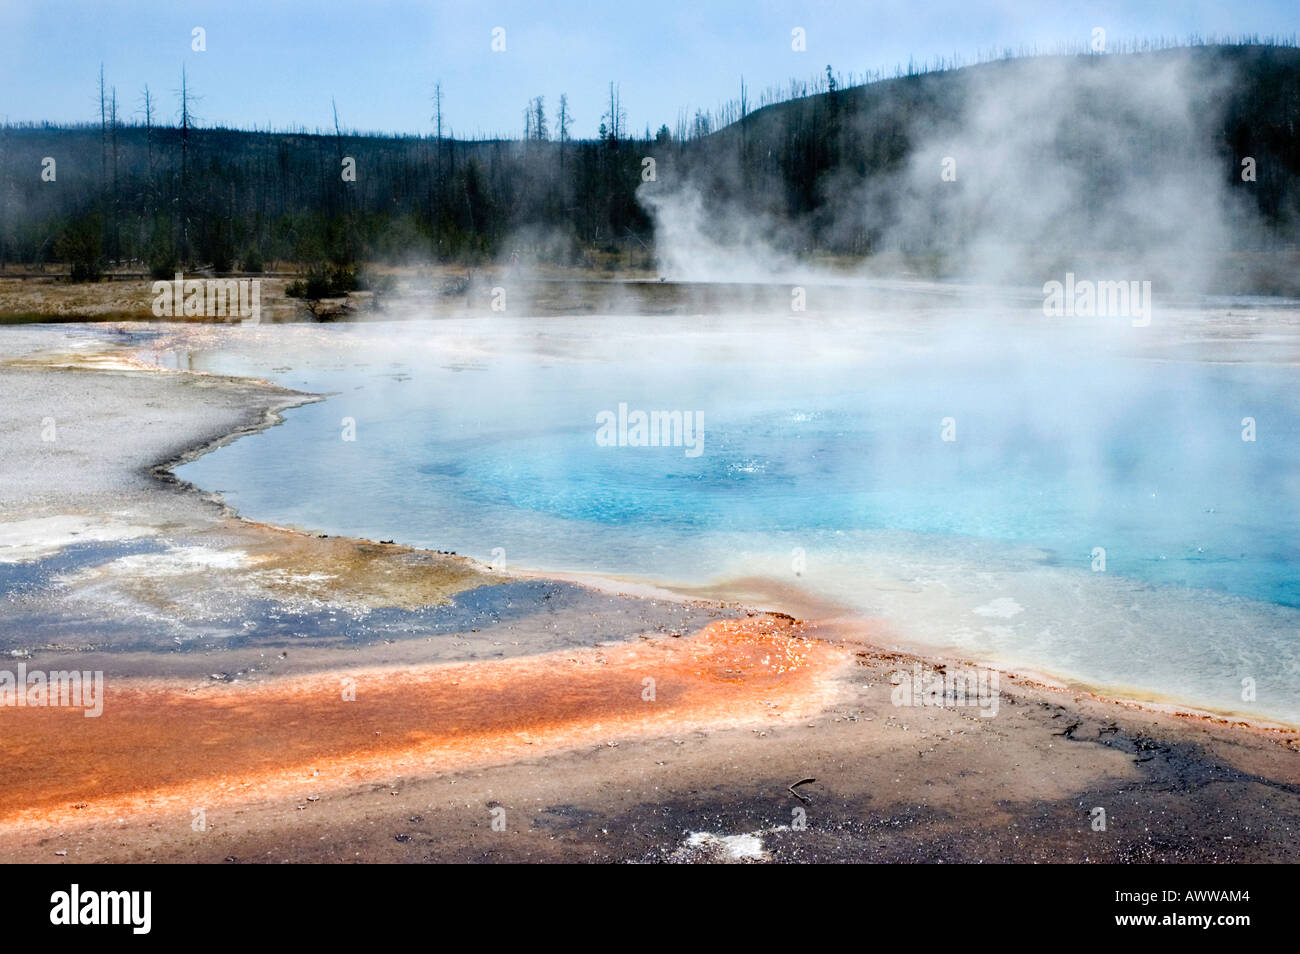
[181, 195]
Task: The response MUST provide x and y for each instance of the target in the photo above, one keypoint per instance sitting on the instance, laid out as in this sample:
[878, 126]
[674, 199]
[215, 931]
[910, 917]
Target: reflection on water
[1042, 493]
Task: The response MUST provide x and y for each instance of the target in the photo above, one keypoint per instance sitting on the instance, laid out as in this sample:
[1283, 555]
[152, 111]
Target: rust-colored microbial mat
[167, 747]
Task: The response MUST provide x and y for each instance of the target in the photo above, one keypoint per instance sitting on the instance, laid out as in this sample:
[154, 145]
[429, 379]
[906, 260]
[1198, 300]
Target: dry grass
[51, 298]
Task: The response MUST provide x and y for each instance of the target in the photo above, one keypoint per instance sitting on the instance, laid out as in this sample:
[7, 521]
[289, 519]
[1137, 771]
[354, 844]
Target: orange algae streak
[160, 747]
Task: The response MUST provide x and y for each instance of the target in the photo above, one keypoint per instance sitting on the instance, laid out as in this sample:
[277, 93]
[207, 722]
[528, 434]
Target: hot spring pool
[1040, 496]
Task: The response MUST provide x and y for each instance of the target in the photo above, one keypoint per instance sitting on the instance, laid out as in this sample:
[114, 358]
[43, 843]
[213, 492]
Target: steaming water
[824, 469]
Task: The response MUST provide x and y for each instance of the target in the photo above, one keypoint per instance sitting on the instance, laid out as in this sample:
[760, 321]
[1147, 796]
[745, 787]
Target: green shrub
[82, 245]
[87, 271]
[329, 281]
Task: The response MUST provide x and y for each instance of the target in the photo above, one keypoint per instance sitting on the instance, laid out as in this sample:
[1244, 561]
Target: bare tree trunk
[115, 250]
[103, 153]
[563, 120]
[103, 131]
[185, 168]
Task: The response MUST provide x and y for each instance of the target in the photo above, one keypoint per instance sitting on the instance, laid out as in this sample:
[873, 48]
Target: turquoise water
[824, 467]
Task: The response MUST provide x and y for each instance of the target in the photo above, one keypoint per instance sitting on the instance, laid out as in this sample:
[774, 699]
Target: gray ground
[138, 575]
[935, 784]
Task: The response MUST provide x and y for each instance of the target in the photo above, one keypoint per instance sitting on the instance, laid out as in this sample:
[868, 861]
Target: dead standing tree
[186, 120]
[103, 154]
[563, 119]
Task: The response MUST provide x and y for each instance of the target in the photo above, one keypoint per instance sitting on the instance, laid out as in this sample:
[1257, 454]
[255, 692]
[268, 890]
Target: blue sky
[278, 63]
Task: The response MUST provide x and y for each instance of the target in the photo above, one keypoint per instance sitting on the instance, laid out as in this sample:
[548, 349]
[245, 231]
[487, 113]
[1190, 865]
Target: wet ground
[105, 566]
[876, 784]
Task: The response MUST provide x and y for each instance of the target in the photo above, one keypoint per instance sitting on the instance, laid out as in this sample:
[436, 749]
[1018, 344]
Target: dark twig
[802, 781]
[1068, 731]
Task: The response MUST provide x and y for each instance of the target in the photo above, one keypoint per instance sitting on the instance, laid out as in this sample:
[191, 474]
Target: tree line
[180, 195]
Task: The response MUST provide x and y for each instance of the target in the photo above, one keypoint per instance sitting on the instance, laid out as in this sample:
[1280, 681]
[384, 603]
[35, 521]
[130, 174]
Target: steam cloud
[1099, 165]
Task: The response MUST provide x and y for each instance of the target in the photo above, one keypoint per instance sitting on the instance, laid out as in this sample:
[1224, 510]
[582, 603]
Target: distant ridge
[216, 197]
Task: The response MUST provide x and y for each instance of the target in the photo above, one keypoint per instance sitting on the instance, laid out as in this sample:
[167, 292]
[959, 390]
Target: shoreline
[694, 593]
[571, 803]
[1046, 677]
